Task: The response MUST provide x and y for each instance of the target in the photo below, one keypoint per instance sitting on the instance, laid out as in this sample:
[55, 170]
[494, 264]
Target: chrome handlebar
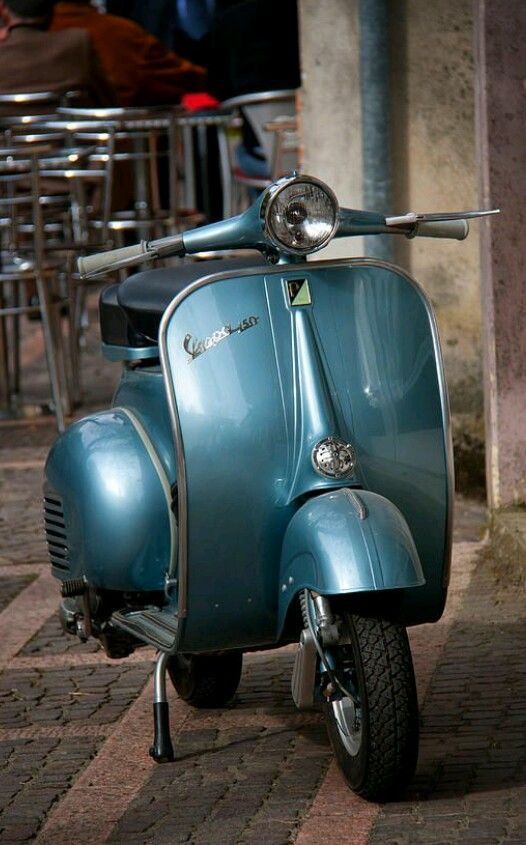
[245, 231]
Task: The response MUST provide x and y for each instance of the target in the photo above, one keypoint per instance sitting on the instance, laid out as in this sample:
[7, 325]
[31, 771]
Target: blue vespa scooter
[275, 468]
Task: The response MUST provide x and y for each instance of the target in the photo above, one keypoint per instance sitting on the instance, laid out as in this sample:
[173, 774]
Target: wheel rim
[348, 717]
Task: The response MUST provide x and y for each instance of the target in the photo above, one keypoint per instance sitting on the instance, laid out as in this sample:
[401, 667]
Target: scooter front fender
[347, 541]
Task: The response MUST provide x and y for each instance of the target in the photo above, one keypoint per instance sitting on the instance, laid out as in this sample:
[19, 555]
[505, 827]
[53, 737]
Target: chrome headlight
[300, 214]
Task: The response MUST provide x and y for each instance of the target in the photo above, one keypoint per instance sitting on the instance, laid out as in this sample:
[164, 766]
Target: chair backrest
[20, 192]
[29, 99]
[68, 166]
[136, 135]
[263, 108]
[21, 104]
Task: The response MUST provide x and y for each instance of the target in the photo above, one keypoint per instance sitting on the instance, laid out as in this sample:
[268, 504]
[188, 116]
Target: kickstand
[162, 748]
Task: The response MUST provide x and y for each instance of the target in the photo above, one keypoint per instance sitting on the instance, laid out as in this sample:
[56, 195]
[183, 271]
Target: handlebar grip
[113, 259]
[456, 229]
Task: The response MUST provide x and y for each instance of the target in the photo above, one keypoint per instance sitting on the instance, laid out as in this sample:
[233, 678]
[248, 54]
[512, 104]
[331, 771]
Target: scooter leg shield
[347, 541]
[107, 505]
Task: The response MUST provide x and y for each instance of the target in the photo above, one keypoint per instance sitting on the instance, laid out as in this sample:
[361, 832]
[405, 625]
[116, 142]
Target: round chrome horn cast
[333, 458]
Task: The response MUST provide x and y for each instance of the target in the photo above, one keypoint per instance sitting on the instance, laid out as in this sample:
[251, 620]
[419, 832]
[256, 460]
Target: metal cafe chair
[270, 114]
[22, 103]
[80, 171]
[194, 134]
[18, 126]
[58, 198]
[79, 174]
[20, 190]
[137, 144]
[18, 103]
[88, 153]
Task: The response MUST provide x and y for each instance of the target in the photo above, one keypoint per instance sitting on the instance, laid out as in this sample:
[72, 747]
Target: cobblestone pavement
[75, 726]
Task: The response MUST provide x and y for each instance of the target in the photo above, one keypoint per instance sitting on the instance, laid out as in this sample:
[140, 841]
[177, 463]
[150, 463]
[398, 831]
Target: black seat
[131, 312]
[114, 326]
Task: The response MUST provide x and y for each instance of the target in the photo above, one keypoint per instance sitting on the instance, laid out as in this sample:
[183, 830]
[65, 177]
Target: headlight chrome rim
[268, 204]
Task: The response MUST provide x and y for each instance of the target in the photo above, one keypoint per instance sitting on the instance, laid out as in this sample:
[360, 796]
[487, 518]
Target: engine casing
[108, 505]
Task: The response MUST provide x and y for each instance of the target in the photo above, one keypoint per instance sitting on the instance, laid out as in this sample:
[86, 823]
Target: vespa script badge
[333, 458]
[196, 347]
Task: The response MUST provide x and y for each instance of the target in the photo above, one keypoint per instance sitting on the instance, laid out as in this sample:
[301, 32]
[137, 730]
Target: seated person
[249, 52]
[34, 59]
[143, 72]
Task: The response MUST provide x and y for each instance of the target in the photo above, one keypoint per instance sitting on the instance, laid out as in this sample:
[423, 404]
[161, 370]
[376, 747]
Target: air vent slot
[56, 532]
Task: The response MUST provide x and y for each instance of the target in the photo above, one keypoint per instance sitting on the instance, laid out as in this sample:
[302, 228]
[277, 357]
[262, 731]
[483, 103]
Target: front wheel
[374, 729]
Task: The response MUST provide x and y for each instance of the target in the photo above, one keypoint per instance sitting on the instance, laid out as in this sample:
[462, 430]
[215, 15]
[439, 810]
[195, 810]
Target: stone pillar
[500, 31]
[434, 169]
[376, 122]
[331, 117]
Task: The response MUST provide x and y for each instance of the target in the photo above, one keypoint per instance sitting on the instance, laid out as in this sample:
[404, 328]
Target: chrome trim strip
[172, 403]
[165, 484]
[357, 503]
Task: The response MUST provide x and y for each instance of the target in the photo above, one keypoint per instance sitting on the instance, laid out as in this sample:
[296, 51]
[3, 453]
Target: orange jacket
[142, 71]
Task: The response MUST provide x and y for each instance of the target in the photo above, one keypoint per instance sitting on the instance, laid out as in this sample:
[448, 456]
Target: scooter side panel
[115, 509]
[340, 542]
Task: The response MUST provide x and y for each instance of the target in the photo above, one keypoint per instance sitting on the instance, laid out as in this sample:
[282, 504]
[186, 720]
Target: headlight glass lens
[302, 216]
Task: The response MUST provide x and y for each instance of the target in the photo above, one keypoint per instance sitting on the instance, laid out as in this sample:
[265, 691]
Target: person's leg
[252, 165]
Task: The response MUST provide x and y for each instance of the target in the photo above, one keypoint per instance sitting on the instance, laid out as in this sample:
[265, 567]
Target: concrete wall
[330, 105]
[433, 113]
[433, 162]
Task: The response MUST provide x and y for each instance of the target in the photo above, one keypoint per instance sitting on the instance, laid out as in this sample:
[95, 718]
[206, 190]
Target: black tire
[377, 750]
[206, 680]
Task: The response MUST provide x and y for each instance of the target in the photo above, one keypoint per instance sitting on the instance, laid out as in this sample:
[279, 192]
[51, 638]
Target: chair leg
[57, 302]
[73, 341]
[226, 172]
[61, 358]
[51, 344]
[5, 391]
[19, 299]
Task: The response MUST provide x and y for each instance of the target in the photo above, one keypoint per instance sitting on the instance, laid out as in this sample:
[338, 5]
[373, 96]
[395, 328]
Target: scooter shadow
[262, 716]
[473, 718]
[248, 771]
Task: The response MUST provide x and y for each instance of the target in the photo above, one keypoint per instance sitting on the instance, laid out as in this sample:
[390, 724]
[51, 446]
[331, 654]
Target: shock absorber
[327, 627]
[325, 633]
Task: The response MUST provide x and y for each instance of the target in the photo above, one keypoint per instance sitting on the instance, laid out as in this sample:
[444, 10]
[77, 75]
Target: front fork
[316, 666]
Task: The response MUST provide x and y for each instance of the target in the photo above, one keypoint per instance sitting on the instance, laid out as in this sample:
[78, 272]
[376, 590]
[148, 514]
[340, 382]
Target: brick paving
[471, 779]
[97, 694]
[34, 774]
[245, 775]
[50, 639]
[11, 586]
[75, 727]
